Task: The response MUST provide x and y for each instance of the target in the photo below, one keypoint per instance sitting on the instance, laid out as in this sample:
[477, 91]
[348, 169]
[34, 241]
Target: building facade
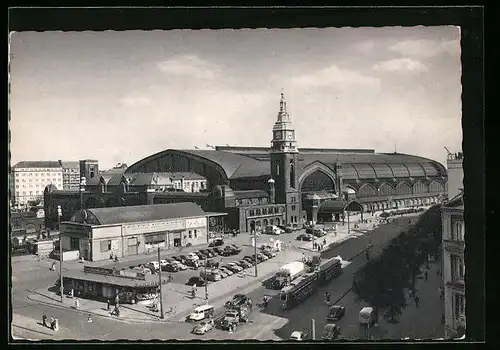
[71, 177]
[29, 179]
[282, 175]
[100, 232]
[453, 251]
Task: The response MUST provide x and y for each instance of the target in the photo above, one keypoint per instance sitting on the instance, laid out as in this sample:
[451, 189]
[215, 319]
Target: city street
[271, 323]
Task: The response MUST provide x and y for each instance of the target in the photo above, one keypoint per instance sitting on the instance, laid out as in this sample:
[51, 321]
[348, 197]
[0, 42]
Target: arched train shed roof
[355, 166]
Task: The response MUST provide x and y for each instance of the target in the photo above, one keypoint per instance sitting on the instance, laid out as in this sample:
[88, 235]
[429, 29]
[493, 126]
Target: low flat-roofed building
[99, 233]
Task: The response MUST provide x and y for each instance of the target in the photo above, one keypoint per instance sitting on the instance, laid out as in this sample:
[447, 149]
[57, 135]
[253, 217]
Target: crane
[447, 150]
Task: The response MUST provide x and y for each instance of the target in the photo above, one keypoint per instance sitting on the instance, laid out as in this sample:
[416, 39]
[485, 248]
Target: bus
[306, 285]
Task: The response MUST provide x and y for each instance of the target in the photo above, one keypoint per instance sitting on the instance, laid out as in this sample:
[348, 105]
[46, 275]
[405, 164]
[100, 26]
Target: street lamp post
[162, 315]
[255, 250]
[59, 214]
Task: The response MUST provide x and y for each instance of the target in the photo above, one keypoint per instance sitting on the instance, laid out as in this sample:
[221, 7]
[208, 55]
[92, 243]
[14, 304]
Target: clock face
[277, 135]
[290, 135]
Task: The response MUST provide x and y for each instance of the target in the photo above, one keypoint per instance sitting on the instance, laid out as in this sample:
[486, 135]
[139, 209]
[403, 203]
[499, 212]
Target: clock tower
[284, 156]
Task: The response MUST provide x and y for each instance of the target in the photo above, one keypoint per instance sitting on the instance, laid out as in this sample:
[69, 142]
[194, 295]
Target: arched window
[459, 231]
[419, 187]
[367, 191]
[403, 188]
[385, 190]
[435, 187]
[292, 174]
[277, 221]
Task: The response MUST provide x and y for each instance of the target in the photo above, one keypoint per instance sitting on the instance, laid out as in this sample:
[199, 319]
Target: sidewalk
[177, 296]
[27, 328]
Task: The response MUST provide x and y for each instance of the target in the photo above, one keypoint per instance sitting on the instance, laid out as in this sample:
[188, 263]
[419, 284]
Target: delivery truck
[287, 273]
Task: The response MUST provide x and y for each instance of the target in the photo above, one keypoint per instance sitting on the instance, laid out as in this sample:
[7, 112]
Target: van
[201, 312]
[273, 230]
[367, 316]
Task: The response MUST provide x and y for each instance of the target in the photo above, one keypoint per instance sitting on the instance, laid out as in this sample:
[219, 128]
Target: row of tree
[383, 280]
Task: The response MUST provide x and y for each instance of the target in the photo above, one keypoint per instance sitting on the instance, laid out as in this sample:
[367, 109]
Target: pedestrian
[53, 267]
[108, 306]
[71, 293]
[417, 299]
[324, 241]
[117, 299]
[44, 319]
[89, 318]
[442, 319]
[77, 303]
[52, 323]
[426, 275]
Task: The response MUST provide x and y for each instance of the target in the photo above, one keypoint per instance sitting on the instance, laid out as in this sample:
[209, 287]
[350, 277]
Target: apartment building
[453, 250]
[188, 182]
[29, 179]
[71, 175]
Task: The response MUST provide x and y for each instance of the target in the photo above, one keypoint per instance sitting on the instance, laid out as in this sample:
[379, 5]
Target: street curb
[128, 320]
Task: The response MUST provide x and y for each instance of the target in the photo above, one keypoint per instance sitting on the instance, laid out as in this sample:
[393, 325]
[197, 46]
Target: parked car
[207, 253]
[219, 250]
[216, 242]
[318, 232]
[269, 253]
[170, 268]
[330, 332]
[298, 335]
[251, 261]
[237, 265]
[180, 265]
[223, 273]
[238, 249]
[228, 251]
[212, 264]
[336, 313]
[192, 263]
[192, 256]
[226, 270]
[238, 300]
[163, 262]
[305, 237]
[245, 264]
[200, 282]
[262, 257]
[233, 267]
[201, 255]
[153, 264]
[203, 327]
[212, 251]
[180, 258]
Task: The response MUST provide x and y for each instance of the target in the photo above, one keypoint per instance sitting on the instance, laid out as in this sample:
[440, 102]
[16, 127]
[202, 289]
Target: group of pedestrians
[319, 246]
[54, 323]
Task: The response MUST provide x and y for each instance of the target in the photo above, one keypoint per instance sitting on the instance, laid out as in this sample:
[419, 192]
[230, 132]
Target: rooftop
[137, 213]
[38, 164]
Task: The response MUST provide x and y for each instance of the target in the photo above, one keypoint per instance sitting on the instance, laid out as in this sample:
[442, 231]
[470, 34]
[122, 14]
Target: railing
[455, 156]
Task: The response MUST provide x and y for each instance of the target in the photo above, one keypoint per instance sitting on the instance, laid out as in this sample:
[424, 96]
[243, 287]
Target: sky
[122, 96]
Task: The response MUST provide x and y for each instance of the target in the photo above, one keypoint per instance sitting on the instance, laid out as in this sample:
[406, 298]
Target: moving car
[336, 313]
[200, 282]
[216, 242]
[238, 300]
[298, 335]
[201, 312]
[330, 332]
[203, 327]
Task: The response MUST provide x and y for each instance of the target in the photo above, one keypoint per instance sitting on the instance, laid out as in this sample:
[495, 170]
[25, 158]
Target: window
[276, 210]
[195, 234]
[459, 234]
[457, 268]
[105, 246]
[277, 169]
[190, 234]
[293, 207]
[258, 211]
[252, 212]
[264, 211]
[154, 239]
[459, 305]
[74, 243]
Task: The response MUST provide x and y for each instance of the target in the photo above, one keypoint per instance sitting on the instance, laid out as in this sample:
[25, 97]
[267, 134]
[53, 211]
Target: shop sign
[199, 222]
[147, 227]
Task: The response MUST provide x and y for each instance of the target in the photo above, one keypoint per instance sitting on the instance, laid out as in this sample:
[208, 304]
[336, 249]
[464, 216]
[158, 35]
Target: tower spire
[283, 114]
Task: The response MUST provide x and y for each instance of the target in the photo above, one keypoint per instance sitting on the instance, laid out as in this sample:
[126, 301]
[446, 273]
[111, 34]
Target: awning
[332, 206]
[111, 280]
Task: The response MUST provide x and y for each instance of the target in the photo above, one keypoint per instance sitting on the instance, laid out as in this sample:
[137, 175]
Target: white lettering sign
[199, 222]
[153, 226]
